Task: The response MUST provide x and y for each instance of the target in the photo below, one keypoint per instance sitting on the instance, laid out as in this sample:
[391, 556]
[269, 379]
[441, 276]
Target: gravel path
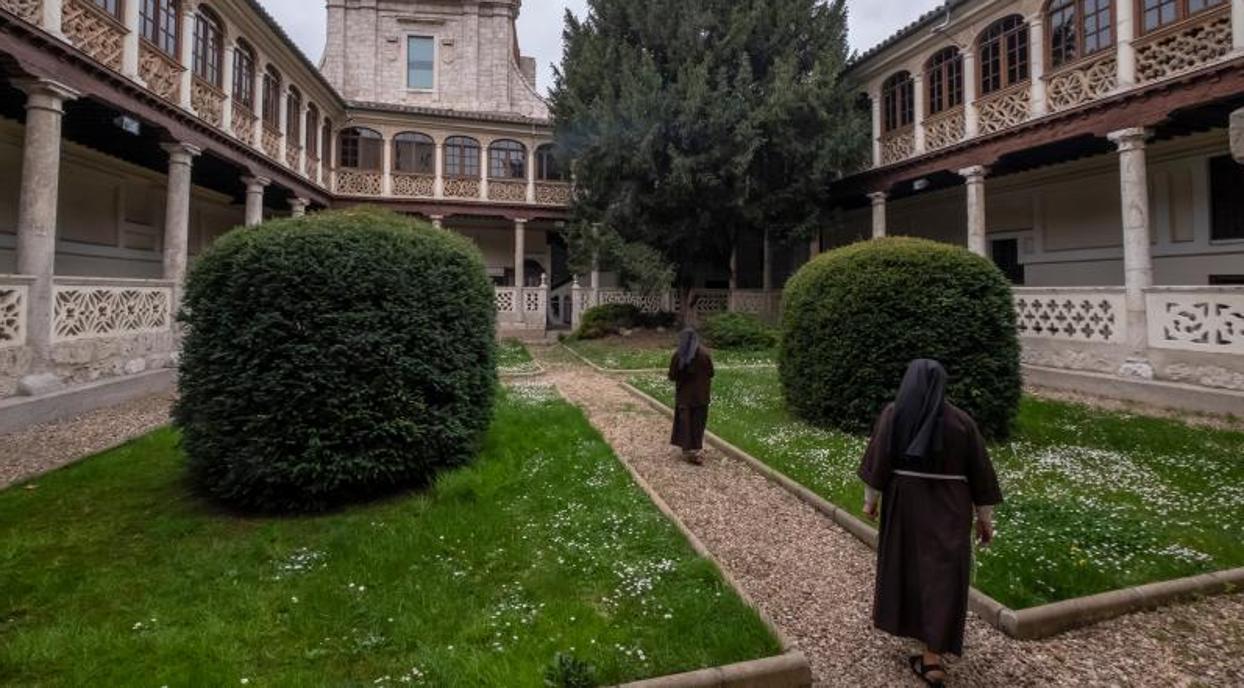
[815, 580]
[44, 448]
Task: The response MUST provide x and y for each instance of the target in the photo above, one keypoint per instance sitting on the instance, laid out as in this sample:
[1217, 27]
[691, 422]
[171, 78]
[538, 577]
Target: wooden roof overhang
[1061, 136]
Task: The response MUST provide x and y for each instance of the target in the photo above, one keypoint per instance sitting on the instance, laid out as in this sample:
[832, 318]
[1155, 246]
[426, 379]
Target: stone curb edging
[1033, 623]
[538, 372]
[643, 371]
[788, 670]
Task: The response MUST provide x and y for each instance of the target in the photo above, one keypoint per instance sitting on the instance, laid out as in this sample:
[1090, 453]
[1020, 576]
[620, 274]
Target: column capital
[46, 94]
[181, 152]
[256, 184]
[1131, 139]
[974, 174]
[878, 197]
[521, 221]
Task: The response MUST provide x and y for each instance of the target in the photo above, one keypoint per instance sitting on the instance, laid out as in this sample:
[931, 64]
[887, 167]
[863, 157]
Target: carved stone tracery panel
[414, 185]
[1082, 84]
[12, 316]
[97, 35]
[1083, 317]
[30, 10]
[515, 192]
[1206, 40]
[1004, 110]
[462, 188]
[1211, 321]
[553, 193]
[87, 312]
[359, 182]
[208, 102]
[945, 129]
[161, 74]
[897, 146]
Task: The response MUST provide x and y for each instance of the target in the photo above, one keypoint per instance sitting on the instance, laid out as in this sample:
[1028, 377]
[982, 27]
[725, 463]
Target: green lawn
[111, 574]
[514, 359]
[651, 351]
[1095, 500]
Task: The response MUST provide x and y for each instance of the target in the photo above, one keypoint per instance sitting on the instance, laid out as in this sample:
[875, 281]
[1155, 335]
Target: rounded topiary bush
[738, 332]
[333, 358]
[601, 321]
[854, 318]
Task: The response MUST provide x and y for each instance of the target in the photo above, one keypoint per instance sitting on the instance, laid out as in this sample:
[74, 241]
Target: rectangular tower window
[421, 63]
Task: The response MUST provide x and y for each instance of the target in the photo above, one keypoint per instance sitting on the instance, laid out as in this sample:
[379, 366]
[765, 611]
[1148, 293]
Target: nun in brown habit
[927, 466]
[691, 371]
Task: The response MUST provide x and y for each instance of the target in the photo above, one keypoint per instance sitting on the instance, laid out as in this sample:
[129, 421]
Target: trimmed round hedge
[855, 317]
[333, 358]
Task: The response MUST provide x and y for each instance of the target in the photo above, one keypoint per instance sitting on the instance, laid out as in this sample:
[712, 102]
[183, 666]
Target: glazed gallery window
[461, 157]
[158, 21]
[507, 160]
[547, 167]
[361, 149]
[112, 7]
[1159, 13]
[1004, 54]
[293, 116]
[312, 129]
[1226, 178]
[244, 75]
[272, 97]
[945, 79]
[208, 47]
[898, 99]
[421, 63]
[414, 153]
[1079, 28]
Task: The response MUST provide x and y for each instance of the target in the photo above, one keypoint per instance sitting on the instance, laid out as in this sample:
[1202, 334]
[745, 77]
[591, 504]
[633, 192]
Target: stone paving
[815, 580]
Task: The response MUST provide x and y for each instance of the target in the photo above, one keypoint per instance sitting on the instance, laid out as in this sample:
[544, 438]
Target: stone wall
[89, 360]
[14, 364]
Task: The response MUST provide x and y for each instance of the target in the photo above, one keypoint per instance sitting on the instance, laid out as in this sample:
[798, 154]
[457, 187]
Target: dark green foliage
[610, 319]
[693, 121]
[854, 318]
[333, 358]
[568, 671]
[738, 332]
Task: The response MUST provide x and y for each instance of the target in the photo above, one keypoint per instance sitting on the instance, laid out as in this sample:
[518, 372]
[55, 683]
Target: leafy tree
[692, 121]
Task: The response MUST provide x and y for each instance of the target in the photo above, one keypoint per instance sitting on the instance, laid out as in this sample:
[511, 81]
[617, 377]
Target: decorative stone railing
[898, 145]
[244, 123]
[706, 302]
[14, 297]
[208, 102]
[160, 72]
[462, 187]
[1203, 319]
[507, 299]
[648, 303]
[1004, 109]
[360, 182]
[293, 152]
[1092, 315]
[553, 193]
[766, 305]
[945, 129]
[94, 32]
[270, 139]
[535, 304]
[1082, 82]
[506, 190]
[30, 10]
[88, 308]
[1203, 39]
[409, 185]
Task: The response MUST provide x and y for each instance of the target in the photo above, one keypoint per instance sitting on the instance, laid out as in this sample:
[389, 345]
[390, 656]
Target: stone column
[226, 80]
[254, 199]
[971, 116]
[767, 271]
[1125, 33]
[302, 142]
[977, 229]
[185, 52]
[1036, 59]
[386, 165]
[37, 204]
[1237, 24]
[879, 219]
[129, 44]
[876, 103]
[177, 213]
[438, 187]
[298, 206]
[282, 122]
[734, 269]
[1137, 259]
[50, 20]
[531, 173]
[919, 108]
[520, 252]
[483, 172]
[438, 221]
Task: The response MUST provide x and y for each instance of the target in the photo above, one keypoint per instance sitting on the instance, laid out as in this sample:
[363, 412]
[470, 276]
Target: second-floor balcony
[1024, 67]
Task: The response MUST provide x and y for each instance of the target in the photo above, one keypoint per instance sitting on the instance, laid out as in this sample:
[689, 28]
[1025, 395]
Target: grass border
[640, 371]
[1032, 623]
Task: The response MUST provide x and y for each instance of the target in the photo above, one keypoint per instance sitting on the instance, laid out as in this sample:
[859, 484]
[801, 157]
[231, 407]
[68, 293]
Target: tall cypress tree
[692, 121]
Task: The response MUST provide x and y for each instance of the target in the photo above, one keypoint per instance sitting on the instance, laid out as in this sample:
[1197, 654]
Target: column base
[1137, 368]
[39, 384]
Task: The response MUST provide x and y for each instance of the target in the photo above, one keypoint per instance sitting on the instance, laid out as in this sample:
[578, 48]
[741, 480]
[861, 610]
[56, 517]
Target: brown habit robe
[924, 556]
[693, 390]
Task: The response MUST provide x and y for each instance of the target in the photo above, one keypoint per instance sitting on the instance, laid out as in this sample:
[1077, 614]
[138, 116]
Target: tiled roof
[507, 117]
[272, 24]
[926, 20]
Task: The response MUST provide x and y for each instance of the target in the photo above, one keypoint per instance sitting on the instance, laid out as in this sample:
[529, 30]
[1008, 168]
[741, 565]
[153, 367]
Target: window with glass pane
[272, 97]
[208, 48]
[414, 153]
[361, 149]
[244, 75]
[507, 160]
[461, 157]
[898, 101]
[1003, 54]
[421, 63]
[158, 21]
[1159, 13]
[945, 79]
[312, 129]
[112, 7]
[293, 116]
[547, 167]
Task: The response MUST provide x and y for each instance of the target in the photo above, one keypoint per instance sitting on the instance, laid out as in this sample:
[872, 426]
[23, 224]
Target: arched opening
[898, 99]
[272, 97]
[944, 76]
[1003, 54]
[244, 75]
[507, 160]
[360, 149]
[414, 153]
[1078, 28]
[157, 21]
[209, 46]
[462, 157]
[548, 168]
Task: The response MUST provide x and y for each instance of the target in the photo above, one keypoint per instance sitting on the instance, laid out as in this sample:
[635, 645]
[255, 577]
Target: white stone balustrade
[1089, 315]
[1201, 319]
[14, 302]
[91, 308]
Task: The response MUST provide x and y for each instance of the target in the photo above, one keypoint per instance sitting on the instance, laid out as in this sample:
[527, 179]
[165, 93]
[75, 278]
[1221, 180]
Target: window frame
[435, 53]
[350, 143]
[1079, 18]
[201, 49]
[1183, 12]
[1005, 56]
[455, 146]
[270, 107]
[898, 102]
[118, 13]
[416, 140]
[944, 70]
[546, 156]
[501, 156]
[150, 13]
[243, 50]
[293, 115]
[311, 131]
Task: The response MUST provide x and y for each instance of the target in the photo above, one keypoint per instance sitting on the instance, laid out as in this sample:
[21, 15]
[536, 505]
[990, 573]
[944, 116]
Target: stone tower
[375, 47]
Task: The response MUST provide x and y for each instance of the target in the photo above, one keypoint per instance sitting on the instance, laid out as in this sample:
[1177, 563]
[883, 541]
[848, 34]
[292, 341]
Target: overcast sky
[540, 25]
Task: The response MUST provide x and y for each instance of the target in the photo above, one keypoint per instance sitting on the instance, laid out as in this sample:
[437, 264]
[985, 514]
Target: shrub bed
[610, 319]
[333, 358]
[854, 318]
[738, 332]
